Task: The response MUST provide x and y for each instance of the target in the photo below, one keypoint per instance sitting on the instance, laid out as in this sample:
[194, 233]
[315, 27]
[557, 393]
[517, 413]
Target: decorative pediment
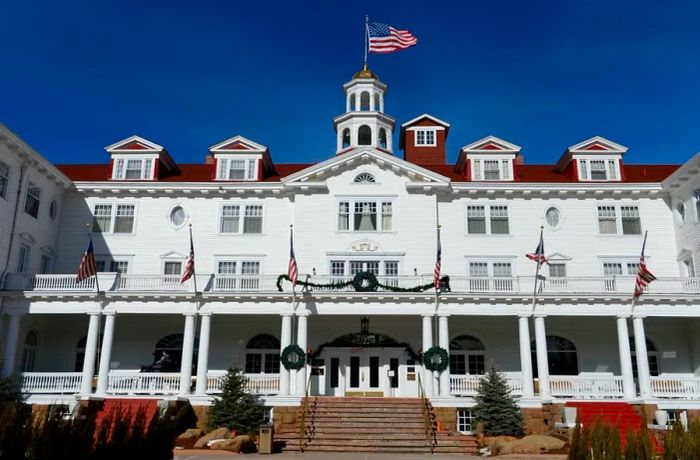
[558, 257]
[172, 255]
[134, 144]
[48, 250]
[428, 117]
[491, 144]
[237, 144]
[597, 145]
[27, 238]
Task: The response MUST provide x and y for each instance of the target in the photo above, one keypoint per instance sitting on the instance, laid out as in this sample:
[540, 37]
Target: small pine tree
[235, 408]
[496, 408]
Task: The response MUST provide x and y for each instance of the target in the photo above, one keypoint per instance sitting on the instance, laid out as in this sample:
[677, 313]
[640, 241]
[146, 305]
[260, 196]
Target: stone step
[350, 430]
[364, 442]
[377, 449]
[342, 437]
[370, 409]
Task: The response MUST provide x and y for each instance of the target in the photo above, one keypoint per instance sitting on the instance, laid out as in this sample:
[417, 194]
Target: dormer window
[237, 169]
[598, 169]
[492, 169]
[133, 169]
[425, 137]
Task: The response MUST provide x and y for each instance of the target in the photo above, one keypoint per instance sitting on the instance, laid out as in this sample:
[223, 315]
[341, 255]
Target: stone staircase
[371, 425]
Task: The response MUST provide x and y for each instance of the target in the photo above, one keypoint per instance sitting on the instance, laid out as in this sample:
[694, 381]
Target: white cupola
[364, 122]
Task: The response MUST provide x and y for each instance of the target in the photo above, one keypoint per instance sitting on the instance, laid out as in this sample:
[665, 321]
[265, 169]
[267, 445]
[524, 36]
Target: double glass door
[371, 372]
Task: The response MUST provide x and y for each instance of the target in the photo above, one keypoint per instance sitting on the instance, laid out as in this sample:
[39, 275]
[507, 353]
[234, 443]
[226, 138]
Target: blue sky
[77, 75]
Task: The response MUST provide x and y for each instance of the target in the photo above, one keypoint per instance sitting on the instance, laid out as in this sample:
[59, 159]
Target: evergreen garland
[235, 408]
[358, 283]
[496, 408]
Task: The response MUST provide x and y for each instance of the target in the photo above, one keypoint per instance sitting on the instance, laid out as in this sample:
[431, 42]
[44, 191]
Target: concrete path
[215, 455]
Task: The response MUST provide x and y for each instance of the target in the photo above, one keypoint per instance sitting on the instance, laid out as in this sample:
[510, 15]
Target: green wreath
[293, 357]
[436, 359]
[365, 282]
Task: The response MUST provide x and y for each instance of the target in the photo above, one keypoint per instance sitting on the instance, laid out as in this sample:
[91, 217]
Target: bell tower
[364, 122]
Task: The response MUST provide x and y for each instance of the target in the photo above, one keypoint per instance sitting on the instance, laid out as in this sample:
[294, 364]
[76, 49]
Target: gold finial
[365, 73]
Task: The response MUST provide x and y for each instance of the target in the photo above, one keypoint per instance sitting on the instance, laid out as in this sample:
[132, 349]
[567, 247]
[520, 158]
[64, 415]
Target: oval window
[177, 216]
[552, 217]
[53, 209]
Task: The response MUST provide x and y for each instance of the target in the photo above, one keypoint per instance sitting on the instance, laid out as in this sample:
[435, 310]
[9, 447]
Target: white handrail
[468, 385]
[151, 283]
[261, 384]
[681, 386]
[50, 382]
[586, 387]
[152, 383]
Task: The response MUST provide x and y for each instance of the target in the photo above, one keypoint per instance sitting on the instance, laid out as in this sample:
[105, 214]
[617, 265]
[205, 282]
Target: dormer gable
[594, 160]
[136, 158]
[423, 139]
[240, 159]
[488, 159]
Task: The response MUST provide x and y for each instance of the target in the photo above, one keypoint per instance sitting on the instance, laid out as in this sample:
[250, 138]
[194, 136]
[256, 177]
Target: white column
[640, 348]
[302, 341]
[11, 345]
[372, 108]
[443, 325]
[187, 350]
[285, 341]
[427, 344]
[542, 361]
[623, 343]
[106, 354]
[203, 356]
[90, 354]
[526, 356]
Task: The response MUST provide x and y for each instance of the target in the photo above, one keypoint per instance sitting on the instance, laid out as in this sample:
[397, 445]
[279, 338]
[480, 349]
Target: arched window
[652, 358]
[172, 346]
[364, 178]
[382, 138]
[364, 135]
[561, 354]
[262, 355]
[346, 138]
[31, 345]
[80, 353]
[364, 101]
[353, 103]
[467, 356]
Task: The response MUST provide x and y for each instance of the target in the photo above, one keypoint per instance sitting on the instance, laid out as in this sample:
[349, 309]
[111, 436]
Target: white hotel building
[371, 208]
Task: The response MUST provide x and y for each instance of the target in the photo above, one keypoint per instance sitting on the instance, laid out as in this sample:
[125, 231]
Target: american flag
[87, 267]
[189, 264]
[292, 269]
[438, 263]
[385, 39]
[644, 276]
[538, 255]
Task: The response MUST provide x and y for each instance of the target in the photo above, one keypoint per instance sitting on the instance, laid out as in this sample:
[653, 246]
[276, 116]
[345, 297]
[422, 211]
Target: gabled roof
[365, 154]
[491, 144]
[238, 143]
[435, 120]
[597, 144]
[134, 144]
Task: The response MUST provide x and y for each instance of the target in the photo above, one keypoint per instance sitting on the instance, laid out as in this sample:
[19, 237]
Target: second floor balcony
[621, 286]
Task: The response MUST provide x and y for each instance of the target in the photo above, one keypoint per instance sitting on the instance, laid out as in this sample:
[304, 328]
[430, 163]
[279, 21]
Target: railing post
[443, 323]
[302, 341]
[203, 356]
[640, 348]
[187, 350]
[285, 340]
[526, 356]
[542, 360]
[90, 354]
[11, 344]
[623, 342]
[106, 354]
[427, 343]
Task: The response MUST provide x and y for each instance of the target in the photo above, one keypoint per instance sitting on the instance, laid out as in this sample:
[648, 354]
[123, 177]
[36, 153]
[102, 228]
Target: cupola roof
[365, 73]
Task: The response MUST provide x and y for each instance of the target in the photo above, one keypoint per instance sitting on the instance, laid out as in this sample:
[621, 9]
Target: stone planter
[661, 417]
[569, 415]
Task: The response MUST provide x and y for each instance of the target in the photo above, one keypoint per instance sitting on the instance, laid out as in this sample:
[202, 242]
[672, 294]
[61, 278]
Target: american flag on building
[292, 269]
[189, 264]
[386, 39]
[438, 263]
[538, 256]
[88, 266]
[644, 276]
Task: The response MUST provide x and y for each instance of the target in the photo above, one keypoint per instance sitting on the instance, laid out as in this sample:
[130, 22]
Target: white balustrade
[57, 283]
[685, 386]
[468, 385]
[50, 382]
[259, 384]
[602, 386]
[243, 283]
[152, 383]
[153, 283]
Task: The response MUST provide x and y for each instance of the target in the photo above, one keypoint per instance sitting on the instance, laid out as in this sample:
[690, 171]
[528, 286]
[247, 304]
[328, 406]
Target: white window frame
[424, 132]
[113, 216]
[23, 261]
[239, 260]
[241, 217]
[108, 259]
[381, 260]
[378, 201]
[37, 197]
[121, 161]
[172, 257]
[487, 216]
[223, 167]
[477, 167]
[618, 218]
[4, 179]
[583, 164]
[465, 414]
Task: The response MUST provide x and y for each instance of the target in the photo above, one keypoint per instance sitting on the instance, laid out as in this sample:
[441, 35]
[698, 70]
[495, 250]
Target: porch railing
[50, 382]
[152, 383]
[683, 386]
[468, 385]
[586, 387]
[260, 384]
[522, 285]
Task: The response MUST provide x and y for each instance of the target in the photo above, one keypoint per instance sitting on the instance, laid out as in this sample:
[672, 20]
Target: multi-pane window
[227, 267]
[557, 270]
[237, 168]
[262, 363]
[32, 201]
[231, 218]
[133, 169]
[4, 179]
[238, 274]
[357, 266]
[611, 270]
[45, 266]
[366, 216]
[495, 215]
[23, 258]
[466, 422]
[425, 137]
[492, 170]
[342, 268]
[607, 220]
[391, 268]
[632, 268]
[598, 170]
[490, 276]
[172, 268]
[119, 266]
[478, 269]
[109, 218]
[631, 225]
[337, 268]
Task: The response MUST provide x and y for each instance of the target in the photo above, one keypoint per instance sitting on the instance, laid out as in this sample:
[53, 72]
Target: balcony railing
[151, 383]
[523, 285]
[582, 386]
[676, 386]
[468, 385]
[259, 384]
[50, 382]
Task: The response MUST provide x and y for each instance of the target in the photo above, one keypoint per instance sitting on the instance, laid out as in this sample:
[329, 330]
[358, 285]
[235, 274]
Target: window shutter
[476, 169]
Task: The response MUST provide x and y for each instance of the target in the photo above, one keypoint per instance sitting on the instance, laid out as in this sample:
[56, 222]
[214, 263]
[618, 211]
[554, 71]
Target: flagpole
[194, 268]
[366, 36]
[634, 297]
[537, 274]
[294, 291]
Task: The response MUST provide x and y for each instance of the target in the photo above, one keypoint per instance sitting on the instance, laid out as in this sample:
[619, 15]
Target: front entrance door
[364, 372]
[364, 379]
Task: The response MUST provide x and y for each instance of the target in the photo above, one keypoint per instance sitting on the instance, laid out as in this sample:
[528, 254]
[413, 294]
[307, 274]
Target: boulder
[533, 444]
[495, 444]
[240, 444]
[219, 433]
[191, 433]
